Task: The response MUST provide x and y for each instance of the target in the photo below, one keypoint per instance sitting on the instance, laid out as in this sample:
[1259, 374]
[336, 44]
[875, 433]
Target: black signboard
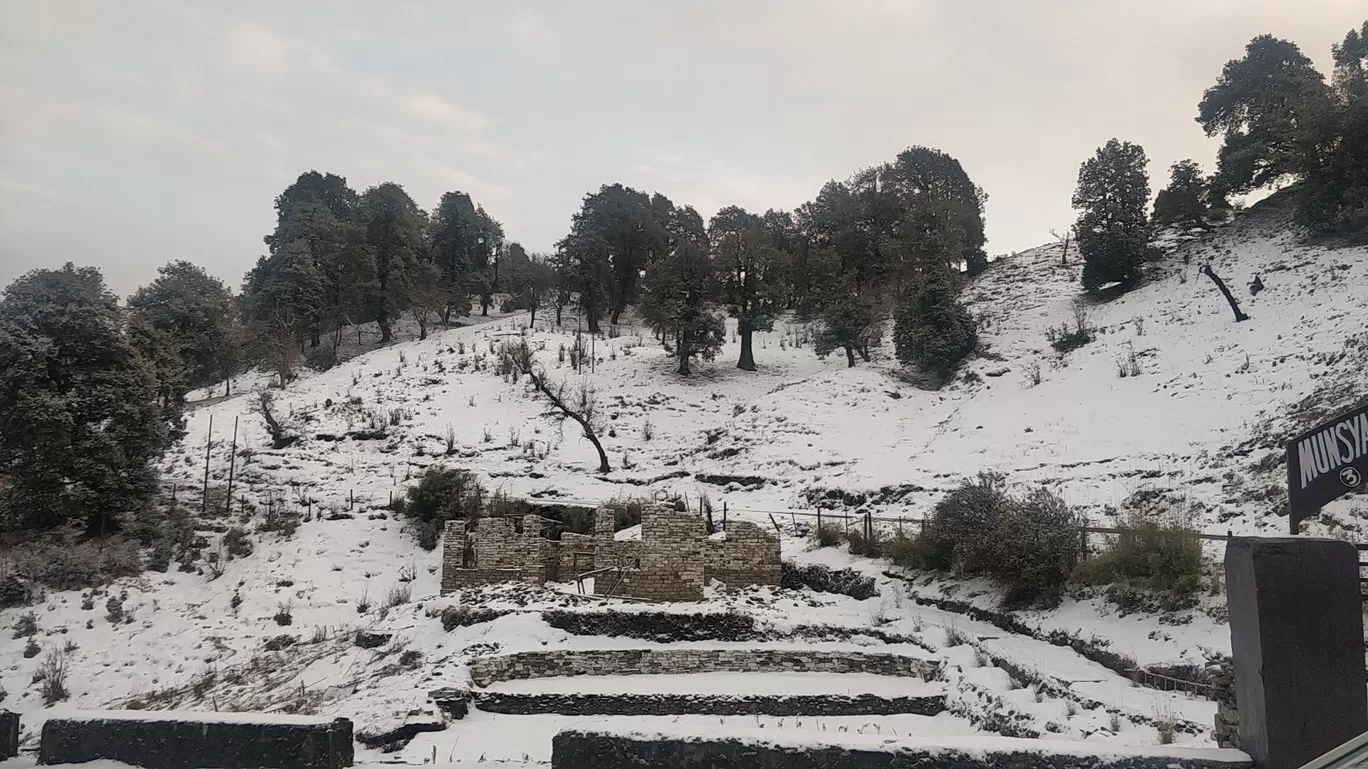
[1325, 463]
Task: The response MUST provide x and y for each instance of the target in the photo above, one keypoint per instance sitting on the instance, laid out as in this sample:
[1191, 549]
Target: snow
[726, 683]
[196, 716]
[1193, 435]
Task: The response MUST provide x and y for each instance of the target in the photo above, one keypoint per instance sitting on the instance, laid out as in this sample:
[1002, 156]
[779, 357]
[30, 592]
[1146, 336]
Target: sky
[137, 132]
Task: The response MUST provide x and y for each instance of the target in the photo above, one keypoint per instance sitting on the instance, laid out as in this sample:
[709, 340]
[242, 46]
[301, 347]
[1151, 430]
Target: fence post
[204, 492]
[724, 515]
[232, 463]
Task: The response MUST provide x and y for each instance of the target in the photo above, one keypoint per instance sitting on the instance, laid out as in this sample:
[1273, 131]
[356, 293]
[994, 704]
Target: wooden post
[232, 462]
[204, 493]
[819, 521]
[724, 515]
[351, 499]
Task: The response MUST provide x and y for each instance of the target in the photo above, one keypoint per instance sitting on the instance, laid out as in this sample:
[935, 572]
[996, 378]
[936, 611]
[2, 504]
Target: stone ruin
[669, 557]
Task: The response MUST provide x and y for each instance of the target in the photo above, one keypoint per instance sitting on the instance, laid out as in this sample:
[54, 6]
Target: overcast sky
[133, 132]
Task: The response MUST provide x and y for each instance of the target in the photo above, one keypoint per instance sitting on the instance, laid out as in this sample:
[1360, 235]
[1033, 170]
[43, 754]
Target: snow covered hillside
[1198, 431]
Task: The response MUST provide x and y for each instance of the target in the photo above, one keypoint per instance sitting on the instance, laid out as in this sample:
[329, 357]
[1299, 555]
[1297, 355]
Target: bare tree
[1220, 284]
[576, 403]
[280, 343]
[426, 297]
[1064, 242]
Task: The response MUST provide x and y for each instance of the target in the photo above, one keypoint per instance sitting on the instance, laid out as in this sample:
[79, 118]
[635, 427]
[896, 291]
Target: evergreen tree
[1111, 233]
[280, 295]
[315, 218]
[394, 227]
[1271, 108]
[615, 233]
[751, 271]
[1185, 200]
[452, 235]
[924, 178]
[489, 243]
[676, 303]
[80, 428]
[426, 297]
[850, 319]
[932, 329]
[195, 318]
[584, 271]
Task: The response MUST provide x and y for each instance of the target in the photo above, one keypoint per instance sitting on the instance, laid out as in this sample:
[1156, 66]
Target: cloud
[529, 28]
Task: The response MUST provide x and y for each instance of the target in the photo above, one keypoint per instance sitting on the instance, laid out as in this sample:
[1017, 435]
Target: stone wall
[573, 749]
[185, 740]
[672, 561]
[9, 734]
[710, 705]
[745, 554]
[600, 662]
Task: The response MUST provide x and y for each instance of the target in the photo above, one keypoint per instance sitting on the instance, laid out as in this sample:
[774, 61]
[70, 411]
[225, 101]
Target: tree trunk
[1239, 314]
[559, 309]
[533, 322]
[446, 315]
[683, 350]
[382, 320]
[850, 356]
[617, 315]
[422, 328]
[864, 352]
[228, 386]
[485, 301]
[747, 361]
[313, 335]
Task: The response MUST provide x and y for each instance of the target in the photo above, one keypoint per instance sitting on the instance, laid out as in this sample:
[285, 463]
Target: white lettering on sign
[1332, 448]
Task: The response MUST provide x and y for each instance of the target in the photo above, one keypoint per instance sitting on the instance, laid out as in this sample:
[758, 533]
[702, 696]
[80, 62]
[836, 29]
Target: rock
[370, 639]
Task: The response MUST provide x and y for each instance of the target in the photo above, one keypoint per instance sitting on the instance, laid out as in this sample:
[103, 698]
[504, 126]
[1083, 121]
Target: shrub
[26, 626]
[284, 614]
[464, 616]
[871, 547]
[962, 522]
[825, 580]
[13, 592]
[443, 494]
[1154, 556]
[236, 543]
[53, 673]
[1040, 544]
[31, 649]
[398, 595]
[72, 566]
[918, 553]
[828, 536]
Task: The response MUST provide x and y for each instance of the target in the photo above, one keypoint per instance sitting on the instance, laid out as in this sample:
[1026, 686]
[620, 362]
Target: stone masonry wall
[747, 555]
[602, 662]
[672, 561]
[671, 557]
[709, 705]
[575, 749]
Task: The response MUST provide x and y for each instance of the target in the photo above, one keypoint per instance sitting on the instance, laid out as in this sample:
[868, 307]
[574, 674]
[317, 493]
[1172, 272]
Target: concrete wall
[545, 664]
[189, 740]
[574, 749]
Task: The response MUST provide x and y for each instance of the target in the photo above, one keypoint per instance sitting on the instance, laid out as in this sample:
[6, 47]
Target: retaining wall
[601, 662]
[708, 705]
[186, 740]
[573, 749]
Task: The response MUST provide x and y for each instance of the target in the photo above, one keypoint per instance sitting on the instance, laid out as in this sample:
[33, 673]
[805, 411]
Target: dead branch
[579, 403]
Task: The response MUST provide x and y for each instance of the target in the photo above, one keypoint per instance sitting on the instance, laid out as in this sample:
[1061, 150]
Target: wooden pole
[232, 462]
[204, 493]
[724, 515]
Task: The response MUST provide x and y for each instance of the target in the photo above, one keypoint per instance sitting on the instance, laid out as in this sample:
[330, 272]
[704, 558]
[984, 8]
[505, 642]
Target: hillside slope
[1197, 432]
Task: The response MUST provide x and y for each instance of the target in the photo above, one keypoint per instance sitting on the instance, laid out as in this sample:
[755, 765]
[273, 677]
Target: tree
[612, 237]
[1270, 107]
[932, 329]
[1185, 200]
[315, 216]
[426, 296]
[927, 178]
[1111, 233]
[677, 303]
[193, 317]
[280, 294]
[452, 233]
[850, 319]
[579, 404]
[584, 271]
[530, 279]
[394, 227]
[752, 274]
[80, 428]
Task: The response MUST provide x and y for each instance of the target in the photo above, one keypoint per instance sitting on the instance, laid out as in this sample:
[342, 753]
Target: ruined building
[669, 557]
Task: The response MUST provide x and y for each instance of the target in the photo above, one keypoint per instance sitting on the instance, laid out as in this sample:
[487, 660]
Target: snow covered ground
[1196, 433]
